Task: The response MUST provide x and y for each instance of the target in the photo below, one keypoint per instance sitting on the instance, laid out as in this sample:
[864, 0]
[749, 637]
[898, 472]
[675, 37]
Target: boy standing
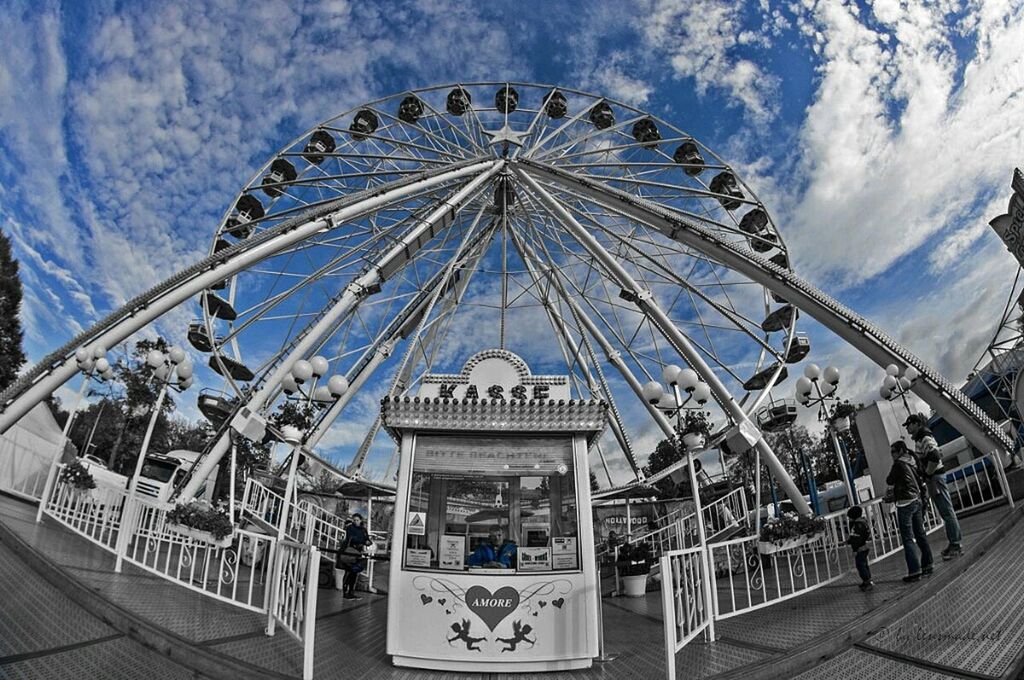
[860, 534]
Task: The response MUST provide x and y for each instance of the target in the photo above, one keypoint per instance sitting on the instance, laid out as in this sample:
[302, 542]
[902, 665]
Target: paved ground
[974, 628]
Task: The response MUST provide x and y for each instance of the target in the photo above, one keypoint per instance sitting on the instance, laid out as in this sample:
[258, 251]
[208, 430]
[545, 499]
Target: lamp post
[687, 380]
[895, 386]
[92, 362]
[683, 380]
[306, 373]
[818, 388]
[171, 370]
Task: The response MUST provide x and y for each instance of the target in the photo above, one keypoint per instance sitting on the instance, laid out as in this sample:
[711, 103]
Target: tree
[666, 453]
[12, 358]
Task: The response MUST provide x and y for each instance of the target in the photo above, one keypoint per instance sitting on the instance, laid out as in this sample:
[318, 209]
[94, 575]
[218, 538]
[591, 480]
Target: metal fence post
[273, 586]
[707, 564]
[668, 616]
[129, 515]
[1001, 473]
[309, 624]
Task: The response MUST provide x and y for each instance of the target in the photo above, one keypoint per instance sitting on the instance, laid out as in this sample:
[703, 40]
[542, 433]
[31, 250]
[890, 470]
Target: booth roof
[494, 415]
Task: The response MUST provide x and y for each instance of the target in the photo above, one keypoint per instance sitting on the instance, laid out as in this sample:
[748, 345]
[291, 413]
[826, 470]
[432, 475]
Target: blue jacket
[485, 553]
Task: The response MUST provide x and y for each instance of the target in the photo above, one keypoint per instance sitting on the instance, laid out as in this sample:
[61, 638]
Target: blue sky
[880, 135]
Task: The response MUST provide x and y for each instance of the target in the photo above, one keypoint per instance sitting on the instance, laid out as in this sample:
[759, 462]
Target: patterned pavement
[43, 634]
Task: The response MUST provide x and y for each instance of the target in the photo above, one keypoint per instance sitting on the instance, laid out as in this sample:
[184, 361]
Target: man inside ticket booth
[494, 553]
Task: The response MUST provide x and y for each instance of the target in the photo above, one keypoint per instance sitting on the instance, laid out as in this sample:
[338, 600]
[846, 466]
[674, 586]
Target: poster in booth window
[453, 552]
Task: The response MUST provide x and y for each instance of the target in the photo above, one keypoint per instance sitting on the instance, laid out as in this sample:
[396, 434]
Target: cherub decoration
[519, 632]
[462, 633]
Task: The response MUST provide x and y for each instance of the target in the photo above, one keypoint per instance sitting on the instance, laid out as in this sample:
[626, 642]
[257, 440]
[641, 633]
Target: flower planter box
[634, 586]
[199, 535]
[80, 495]
[772, 547]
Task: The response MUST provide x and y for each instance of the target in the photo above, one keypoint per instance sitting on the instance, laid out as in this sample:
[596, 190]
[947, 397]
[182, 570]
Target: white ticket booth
[493, 563]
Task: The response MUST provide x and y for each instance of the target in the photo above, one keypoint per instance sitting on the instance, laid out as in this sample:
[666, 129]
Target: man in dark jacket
[905, 490]
[929, 462]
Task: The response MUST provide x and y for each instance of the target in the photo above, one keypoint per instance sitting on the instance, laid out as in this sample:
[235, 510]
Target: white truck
[160, 475]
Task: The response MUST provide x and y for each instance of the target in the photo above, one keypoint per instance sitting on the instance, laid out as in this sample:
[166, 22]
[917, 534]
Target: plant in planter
[634, 564]
[789, 531]
[199, 520]
[77, 477]
[840, 415]
[696, 428]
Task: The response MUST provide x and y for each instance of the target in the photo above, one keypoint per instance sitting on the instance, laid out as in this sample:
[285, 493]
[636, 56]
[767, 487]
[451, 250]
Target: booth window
[492, 503]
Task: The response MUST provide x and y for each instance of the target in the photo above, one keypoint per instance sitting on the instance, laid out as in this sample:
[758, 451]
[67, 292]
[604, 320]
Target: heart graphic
[535, 613]
[542, 603]
[441, 601]
[559, 602]
[492, 608]
[426, 599]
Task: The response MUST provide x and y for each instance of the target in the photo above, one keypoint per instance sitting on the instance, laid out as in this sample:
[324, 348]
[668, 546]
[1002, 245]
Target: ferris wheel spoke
[573, 120]
[457, 132]
[453, 150]
[535, 259]
[562, 151]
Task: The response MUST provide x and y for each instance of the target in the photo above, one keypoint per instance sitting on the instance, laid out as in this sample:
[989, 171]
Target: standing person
[355, 542]
[930, 463]
[860, 534]
[906, 490]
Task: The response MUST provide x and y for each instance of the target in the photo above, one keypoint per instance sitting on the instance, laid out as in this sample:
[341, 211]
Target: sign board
[563, 553]
[534, 559]
[453, 552]
[495, 374]
[417, 524]
[417, 558]
[461, 455]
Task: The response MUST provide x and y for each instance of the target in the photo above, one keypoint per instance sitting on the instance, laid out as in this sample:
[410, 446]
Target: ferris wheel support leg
[948, 401]
[648, 306]
[392, 261]
[57, 368]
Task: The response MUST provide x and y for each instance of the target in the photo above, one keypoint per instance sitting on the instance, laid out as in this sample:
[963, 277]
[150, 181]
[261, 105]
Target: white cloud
[887, 186]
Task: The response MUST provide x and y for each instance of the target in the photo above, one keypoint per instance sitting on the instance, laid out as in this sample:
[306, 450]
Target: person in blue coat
[493, 552]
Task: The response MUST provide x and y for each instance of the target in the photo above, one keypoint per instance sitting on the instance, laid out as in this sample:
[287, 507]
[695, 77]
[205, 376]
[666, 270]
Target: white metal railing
[261, 503]
[976, 483]
[725, 514]
[294, 597]
[236, 573]
[667, 520]
[23, 469]
[686, 601]
[95, 514]
[746, 579]
[720, 516]
[323, 529]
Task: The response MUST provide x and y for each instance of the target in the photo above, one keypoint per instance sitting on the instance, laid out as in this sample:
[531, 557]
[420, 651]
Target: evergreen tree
[11, 355]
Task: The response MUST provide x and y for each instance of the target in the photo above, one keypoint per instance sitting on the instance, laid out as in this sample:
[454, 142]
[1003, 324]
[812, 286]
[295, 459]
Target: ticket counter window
[490, 518]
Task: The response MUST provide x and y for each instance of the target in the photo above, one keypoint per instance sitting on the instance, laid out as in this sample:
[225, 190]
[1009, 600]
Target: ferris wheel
[590, 237]
[518, 251]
